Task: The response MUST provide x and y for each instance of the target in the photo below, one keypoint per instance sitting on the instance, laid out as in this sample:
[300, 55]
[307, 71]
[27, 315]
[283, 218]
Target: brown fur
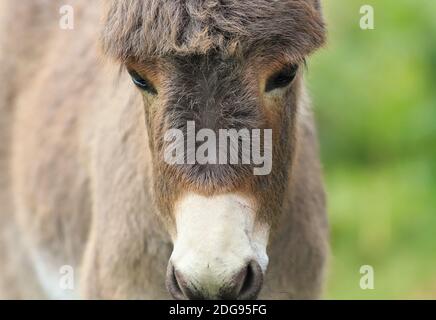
[141, 29]
[82, 180]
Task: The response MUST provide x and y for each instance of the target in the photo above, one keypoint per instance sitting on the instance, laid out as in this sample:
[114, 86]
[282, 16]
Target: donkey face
[219, 214]
[206, 66]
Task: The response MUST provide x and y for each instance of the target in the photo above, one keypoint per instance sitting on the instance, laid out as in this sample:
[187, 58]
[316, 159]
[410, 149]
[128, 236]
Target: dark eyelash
[142, 83]
[283, 78]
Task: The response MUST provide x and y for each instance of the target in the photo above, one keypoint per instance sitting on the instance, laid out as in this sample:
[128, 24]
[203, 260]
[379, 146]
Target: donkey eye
[282, 78]
[142, 83]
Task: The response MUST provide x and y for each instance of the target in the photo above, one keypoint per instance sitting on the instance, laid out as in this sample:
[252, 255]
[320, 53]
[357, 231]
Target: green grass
[375, 98]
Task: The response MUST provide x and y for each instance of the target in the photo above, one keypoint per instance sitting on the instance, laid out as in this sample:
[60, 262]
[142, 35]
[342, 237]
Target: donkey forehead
[206, 72]
[144, 29]
[220, 94]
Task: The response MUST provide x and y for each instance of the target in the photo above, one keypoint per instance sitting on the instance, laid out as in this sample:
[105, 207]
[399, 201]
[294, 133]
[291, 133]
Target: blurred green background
[374, 93]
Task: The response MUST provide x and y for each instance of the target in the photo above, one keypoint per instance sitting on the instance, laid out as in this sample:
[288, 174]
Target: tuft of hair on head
[135, 29]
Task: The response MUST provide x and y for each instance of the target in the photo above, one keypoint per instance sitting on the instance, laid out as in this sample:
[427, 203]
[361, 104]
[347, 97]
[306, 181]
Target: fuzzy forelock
[141, 29]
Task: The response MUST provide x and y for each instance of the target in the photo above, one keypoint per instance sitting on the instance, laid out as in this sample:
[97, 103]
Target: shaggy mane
[141, 29]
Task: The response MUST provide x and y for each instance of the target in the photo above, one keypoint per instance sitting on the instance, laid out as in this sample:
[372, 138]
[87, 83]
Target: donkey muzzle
[245, 284]
[219, 249]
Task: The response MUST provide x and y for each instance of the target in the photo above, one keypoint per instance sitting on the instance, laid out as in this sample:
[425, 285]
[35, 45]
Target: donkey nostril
[173, 284]
[252, 282]
[178, 287]
[245, 285]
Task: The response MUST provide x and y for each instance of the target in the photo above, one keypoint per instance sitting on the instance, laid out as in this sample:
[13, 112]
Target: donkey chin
[219, 256]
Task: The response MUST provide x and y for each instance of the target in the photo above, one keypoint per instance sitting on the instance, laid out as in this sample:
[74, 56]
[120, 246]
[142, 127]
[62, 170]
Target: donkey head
[209, 66]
